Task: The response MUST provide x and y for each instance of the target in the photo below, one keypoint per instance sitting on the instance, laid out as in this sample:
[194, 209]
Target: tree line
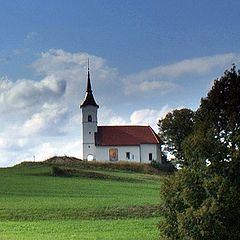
[202, 200]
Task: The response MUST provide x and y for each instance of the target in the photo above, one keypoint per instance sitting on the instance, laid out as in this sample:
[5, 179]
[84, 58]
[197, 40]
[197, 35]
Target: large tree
[202, 200]
[219, 114]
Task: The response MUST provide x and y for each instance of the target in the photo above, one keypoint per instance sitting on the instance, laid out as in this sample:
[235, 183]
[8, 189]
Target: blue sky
[146, 58]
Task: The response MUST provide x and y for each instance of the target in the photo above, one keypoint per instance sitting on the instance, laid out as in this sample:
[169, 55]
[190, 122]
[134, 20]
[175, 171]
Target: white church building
[115, 143]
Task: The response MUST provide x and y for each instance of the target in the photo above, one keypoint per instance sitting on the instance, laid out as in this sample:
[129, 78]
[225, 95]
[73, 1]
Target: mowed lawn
[36, 205]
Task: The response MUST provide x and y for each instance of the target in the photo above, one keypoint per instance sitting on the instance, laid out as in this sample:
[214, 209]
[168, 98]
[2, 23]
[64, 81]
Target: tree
[219, 113]
[201, 201]
[174, 128]
[200, 206]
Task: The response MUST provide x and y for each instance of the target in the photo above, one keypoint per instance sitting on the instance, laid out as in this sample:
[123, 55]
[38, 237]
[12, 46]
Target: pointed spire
[89, 88]
[89, 99]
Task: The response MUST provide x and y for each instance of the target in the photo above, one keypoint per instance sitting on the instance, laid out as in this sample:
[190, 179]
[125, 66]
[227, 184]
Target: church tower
[89, 122]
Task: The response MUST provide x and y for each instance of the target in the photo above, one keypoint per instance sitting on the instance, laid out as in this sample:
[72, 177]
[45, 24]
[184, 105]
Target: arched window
[90, 157]
[89, 118]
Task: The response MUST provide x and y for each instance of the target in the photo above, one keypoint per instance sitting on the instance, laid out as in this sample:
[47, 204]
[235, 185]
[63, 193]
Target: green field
[93, 204]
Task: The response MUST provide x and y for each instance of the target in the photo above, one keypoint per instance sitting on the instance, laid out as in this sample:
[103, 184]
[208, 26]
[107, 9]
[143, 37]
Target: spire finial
[88, 64]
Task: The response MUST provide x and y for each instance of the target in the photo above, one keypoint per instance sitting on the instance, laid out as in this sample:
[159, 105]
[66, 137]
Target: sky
[146, 58]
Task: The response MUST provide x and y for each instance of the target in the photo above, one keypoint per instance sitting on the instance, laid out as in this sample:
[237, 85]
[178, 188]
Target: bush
[165, 167]
[62, 172]
[198, 205]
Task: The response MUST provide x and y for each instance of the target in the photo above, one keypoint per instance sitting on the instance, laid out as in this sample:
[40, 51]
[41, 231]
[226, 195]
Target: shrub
[62, 172]
[165, 167]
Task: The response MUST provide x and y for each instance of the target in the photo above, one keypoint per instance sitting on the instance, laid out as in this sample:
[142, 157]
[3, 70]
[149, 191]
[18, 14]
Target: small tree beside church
[174, 128]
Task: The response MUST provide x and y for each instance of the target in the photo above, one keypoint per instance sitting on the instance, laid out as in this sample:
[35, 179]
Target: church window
[127, 155]
[150, 157]
[89, 132]
[132, 156]
[89, 118]
[88, 146]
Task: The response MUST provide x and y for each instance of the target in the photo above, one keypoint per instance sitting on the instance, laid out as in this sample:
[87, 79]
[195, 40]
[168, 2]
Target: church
[115, 143]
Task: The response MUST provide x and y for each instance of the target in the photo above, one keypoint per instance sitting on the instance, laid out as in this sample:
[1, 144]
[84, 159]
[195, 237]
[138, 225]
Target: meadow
[92, 203]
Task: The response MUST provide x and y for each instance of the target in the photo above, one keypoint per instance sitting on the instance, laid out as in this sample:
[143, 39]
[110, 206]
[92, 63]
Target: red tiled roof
[125, 136]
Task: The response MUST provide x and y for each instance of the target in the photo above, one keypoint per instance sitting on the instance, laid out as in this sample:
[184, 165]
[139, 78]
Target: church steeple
[89, 99]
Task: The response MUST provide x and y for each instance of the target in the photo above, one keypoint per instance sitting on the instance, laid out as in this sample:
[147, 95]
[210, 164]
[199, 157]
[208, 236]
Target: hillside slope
[33, 197]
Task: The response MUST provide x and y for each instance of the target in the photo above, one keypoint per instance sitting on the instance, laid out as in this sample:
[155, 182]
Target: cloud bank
[164, 78]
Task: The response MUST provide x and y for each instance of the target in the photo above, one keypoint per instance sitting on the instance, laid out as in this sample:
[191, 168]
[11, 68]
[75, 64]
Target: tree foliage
[174, 128]
[201, 201]
[199, 205]
[219, 113]
[221, 109]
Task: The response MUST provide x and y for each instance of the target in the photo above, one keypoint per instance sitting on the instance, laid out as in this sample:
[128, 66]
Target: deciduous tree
[202, 200]
[174, 128]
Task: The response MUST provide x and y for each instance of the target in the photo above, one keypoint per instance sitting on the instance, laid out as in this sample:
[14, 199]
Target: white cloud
[73, 66]
[4, 143]
[162, 78]
[49, 121]
[149, 116]
[107, 116]
[72, 147]
[139, 117]
[162, 86]
[24, 93]
[12, 149]
[117, 120]
[41, 150]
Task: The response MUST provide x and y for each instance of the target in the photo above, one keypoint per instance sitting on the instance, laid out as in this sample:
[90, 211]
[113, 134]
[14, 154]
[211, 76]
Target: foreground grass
[77, 229]
[34, 204]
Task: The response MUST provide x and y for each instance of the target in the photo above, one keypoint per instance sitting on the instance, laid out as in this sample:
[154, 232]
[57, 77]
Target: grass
[95, 203]
[80, 229]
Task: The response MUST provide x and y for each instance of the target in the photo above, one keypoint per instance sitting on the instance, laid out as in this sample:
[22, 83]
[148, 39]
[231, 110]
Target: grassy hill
[64, 198]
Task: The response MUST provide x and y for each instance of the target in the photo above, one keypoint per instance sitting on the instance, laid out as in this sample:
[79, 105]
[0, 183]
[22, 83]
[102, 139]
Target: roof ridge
[154, 134]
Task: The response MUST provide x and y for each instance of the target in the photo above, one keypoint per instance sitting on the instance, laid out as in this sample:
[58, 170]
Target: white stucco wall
[137, 153]
[88, 131]
[146, 149]
[102, 153]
